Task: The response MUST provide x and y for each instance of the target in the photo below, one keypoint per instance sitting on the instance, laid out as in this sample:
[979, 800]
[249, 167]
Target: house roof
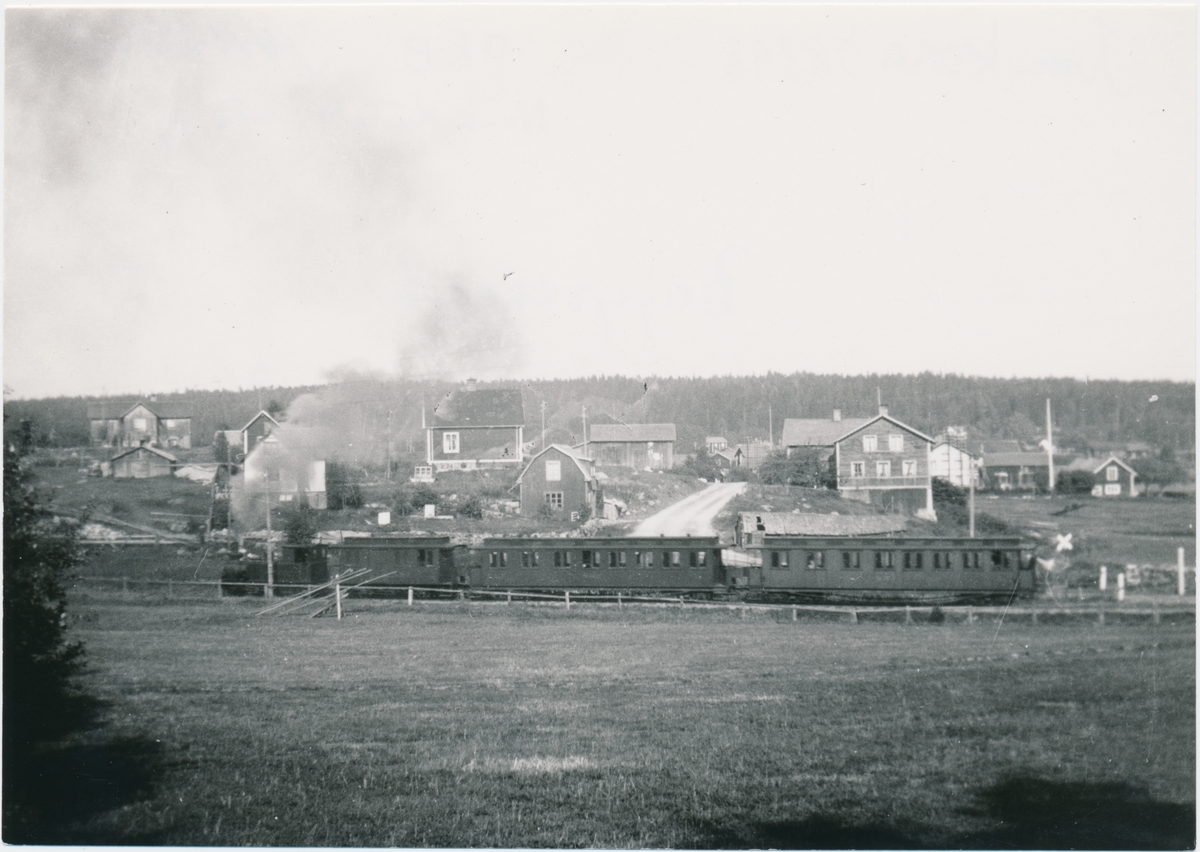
[822, 432]
[115, 409]
[1109, 460]
[1016, 460]
[154, 450]
[618, 433]
[581, 461]
[944, 443]
[826, 433]
[256, 417]
[466, 409]
[715, 439]
[1000, 446]
[729, 453]
[790, 523]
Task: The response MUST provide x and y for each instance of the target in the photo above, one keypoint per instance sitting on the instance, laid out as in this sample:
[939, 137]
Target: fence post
[793, 612]
[508, 597]
[1033, 617]
[1103, 578]
[337, 595]
[1100, 618]
[1181, 572]
[1157, 614]
[1121, 586]
[970, 615]
[907, 614]
[681, 601]
[619, 600]
[854, 616]
[410, 595]
[567, 598]
[461, 596]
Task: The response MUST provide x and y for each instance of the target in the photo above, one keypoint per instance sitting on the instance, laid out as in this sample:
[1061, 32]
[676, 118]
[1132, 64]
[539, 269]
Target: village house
[142, 462]
[260, 426]
[1113, 477]
[878, 460]
[953, 464]
[730, 457]
[132, 423]
[561, 479]
[1020, 471]
[641, 446]
[751, 527]
[715, 444]
[473, 428]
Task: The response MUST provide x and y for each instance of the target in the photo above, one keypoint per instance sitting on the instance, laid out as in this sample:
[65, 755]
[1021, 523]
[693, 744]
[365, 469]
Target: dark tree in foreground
[40, 703]
[808, 467]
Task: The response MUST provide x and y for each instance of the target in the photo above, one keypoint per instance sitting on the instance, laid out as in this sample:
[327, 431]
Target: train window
[941, 561]
[914, 560]
[587, 559]
[300, 555]
[692, 559]
[851, 559]
[493, 559]
[997, 560]
[526, 559]
[970, 560]
[675, 559]
[621, 559]
[503, 559]
[637, 558]
[884, 560]
[815, 560]
[700, 557]
[779, 559]
[612, 559]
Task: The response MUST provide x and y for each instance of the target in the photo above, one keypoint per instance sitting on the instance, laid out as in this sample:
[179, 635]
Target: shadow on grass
[53, 793]
[1026, 812]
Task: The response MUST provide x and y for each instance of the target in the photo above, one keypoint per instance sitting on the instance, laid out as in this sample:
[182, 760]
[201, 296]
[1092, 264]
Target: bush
[945, 493]
[702, 465]
[299, 523]
[807, 467]
[469, 506]
[1074, 482]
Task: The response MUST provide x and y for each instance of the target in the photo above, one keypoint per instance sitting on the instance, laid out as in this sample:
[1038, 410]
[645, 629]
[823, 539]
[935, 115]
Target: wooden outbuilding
[142, 463]
[475, 428]
[641, 446]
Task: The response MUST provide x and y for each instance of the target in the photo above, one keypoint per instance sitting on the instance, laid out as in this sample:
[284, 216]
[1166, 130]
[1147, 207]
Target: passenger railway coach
[866, 568]
[641, 564]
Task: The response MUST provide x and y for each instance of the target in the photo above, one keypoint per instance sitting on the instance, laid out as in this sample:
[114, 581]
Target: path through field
[692, 515]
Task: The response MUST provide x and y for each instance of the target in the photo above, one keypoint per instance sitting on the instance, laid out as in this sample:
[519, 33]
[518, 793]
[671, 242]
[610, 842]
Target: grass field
[486, 725]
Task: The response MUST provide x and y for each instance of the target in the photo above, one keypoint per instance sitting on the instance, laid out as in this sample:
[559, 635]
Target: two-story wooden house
[878, 460]
[134, 423]
[562, 480]
[642, 446]
[473, 428]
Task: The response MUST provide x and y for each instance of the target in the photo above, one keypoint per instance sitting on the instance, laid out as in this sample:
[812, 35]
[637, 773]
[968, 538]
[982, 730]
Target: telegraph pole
[542, 405]
[585, 441]
[1050, 446]
[270, 590]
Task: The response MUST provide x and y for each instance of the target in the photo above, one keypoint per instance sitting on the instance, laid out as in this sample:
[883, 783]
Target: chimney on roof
[837, 415]
[883, 409]
[470, 384]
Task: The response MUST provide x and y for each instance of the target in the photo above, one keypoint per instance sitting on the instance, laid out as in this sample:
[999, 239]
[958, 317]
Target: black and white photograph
[600, 425]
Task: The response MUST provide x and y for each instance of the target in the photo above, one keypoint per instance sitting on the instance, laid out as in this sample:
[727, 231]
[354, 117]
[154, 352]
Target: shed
[142, 463]
[641, 446]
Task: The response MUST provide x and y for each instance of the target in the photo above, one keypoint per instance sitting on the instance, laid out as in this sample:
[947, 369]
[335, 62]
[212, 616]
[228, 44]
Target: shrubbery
[810, 468]
[1074, 482]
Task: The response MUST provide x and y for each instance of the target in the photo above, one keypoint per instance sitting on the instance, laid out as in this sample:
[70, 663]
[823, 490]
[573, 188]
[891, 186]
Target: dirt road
[692, 515]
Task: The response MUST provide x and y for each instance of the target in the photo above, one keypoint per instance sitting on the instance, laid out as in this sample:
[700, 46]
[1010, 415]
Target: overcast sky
[239, 197]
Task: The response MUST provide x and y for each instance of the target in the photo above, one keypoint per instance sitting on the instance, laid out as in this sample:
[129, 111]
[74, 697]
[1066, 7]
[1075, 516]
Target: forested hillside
[737, 407]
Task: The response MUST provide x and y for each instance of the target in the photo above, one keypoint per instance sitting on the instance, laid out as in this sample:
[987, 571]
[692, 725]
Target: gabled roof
[1110, 460]
[889, 419]
[581, 461]
[1016, 460]
[715, 439]
[729, 453]
[256, 417]
[115, 409]
[623, 433]
[465, 409]
[999, 446]
[154, 450]
[823, 432]
[790, 523]
[944, 443]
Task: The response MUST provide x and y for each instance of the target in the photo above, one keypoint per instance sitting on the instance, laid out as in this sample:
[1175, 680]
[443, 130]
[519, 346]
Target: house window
[883, 469]
[870, 443]
[554, 499]
[449, 442]
[858, 468]
[139, 424]
[553, 471]
[896, 443]
[1113, 473]
[1112, 490]
[909, 467]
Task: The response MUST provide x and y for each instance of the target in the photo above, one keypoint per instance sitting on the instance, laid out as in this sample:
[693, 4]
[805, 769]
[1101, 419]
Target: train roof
[608, 541]
[875, 541]
[381, 540]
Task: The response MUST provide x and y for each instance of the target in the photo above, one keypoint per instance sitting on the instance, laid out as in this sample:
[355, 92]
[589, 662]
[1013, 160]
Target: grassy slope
[473, 725]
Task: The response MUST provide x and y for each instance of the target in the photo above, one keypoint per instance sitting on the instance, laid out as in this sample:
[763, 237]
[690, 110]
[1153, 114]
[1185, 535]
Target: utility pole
[542, 406]
[770, 427]
[585, 441]
[270, 590]
[1050, 446]
[389, 446]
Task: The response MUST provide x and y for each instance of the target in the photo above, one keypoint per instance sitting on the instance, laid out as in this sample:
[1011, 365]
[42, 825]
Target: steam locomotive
[781, 568]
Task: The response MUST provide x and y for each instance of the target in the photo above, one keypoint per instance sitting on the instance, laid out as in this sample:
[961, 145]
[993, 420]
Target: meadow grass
[490, 725]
